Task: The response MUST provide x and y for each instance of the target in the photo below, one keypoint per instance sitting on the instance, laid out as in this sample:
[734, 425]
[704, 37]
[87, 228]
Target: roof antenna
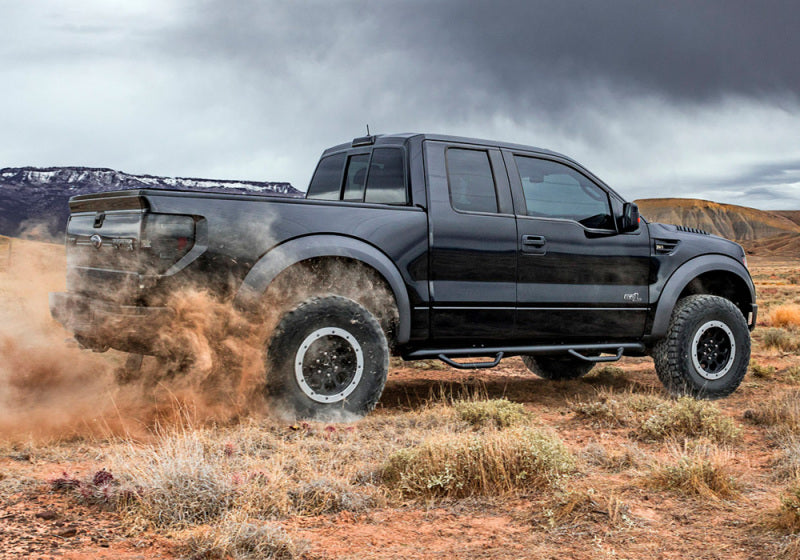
[367, 129]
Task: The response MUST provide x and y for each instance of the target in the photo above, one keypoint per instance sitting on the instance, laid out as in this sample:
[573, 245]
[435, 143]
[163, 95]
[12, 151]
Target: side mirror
[629, 221]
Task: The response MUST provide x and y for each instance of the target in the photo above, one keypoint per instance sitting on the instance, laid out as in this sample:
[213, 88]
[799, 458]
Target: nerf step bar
[581, 351]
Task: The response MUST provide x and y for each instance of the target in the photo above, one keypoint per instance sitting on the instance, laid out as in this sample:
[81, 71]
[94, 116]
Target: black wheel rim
[713, 349]
[329, 365]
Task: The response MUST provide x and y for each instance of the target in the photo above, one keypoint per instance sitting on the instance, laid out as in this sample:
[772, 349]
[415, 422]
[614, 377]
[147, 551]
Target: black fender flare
[685, 274]
[278, 259]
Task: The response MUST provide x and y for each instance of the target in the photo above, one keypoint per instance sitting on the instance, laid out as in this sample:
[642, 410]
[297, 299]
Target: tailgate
[116, 247]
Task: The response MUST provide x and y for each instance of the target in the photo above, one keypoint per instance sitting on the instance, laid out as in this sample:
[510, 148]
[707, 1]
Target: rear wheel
[706, 351]
[328, 360]
[557, 368]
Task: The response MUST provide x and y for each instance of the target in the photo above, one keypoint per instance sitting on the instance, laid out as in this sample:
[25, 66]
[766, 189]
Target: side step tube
[598, 358]
[577, 350]
[471, 365]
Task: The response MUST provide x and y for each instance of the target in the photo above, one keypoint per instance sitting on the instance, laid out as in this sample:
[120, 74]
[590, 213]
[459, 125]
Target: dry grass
[586, 506]
[238, 538]
[702, 470]
[787, 517]
[478, 464]
[781, 413]
[688, 417]
[615, 458]
[788, 465]
[499, 413]
[780, 339]
[762, 372]
[786, 316]
[612, 408]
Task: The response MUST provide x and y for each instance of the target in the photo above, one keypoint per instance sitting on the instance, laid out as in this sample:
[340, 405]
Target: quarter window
[469, 174]
[553, 190]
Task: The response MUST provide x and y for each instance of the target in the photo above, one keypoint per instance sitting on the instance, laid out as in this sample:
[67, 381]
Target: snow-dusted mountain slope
[37, 197]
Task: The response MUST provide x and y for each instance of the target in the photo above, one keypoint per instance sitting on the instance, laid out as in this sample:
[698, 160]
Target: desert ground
[490, 464]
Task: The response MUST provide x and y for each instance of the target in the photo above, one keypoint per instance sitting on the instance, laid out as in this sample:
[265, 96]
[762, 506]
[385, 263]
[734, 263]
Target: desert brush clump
[787, 316]
[779, 339]
[486, 463]
[688, 417]
[236, 537]
[701, 470]
[179, 482]
[499, 413]
[612, 408]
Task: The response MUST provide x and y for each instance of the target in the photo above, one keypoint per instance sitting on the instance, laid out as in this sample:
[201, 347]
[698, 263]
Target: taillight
[167, 238]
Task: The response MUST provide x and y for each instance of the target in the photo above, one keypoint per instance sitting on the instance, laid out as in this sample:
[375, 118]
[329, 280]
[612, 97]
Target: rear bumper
[99, 324]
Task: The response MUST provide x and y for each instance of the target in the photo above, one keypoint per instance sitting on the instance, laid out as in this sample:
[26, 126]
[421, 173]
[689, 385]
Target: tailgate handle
[533, 240]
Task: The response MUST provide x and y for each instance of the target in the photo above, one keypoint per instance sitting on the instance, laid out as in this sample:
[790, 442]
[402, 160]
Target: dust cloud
[211, 369]
[210, 365]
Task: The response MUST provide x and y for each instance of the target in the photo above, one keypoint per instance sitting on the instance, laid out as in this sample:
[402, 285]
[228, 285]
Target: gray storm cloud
[693, 97]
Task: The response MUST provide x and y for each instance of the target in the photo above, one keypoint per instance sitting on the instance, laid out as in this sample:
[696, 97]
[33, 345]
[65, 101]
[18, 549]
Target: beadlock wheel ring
[353, 377]
[713, 350]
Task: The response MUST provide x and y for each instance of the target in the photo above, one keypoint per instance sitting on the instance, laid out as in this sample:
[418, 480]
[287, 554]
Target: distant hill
[32, 197]
[793, 215]
[738, 223]
[784, 245]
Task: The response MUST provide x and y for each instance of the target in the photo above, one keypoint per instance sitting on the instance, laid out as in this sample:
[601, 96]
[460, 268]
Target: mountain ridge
[37, 197]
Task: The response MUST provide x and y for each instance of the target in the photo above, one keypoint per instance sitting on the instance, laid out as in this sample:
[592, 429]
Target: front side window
[553, 190]
[327, 181]
[469, 174]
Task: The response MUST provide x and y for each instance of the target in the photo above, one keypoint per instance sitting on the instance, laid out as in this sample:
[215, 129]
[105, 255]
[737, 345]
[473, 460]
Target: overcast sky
[692, 99]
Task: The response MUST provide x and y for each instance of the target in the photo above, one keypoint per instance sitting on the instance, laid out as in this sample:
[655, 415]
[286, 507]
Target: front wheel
[706, 351]
[328, 360]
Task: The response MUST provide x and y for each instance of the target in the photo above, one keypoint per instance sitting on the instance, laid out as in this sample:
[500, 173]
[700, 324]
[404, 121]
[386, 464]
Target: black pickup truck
[422, 246]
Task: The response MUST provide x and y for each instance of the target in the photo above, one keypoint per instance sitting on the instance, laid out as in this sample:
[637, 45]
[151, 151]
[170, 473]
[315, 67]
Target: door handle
[533, 240]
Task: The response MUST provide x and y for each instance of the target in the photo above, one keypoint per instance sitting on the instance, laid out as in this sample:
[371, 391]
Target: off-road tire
[712, 329]
[327, 360]
[557, 368]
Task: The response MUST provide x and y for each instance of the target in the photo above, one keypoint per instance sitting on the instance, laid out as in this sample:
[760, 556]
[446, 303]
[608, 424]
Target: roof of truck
[402, 138]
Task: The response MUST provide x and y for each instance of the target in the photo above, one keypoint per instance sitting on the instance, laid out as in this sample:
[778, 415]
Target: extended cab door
[473, 247]
[578, 278]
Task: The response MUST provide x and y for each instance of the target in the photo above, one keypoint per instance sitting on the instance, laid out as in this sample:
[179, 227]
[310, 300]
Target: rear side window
[356, 177]
[327, 181]
[553, 190]
[469, 175]
[386, 183]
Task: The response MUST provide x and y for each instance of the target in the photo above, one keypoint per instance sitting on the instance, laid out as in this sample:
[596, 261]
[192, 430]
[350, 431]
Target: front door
[578, 278]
